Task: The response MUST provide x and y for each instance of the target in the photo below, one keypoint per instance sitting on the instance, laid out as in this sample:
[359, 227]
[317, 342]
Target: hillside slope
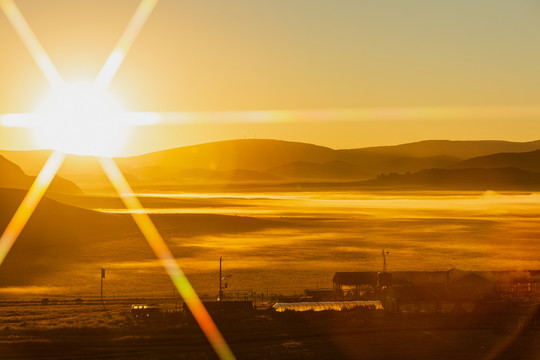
[458, 149]
[529, 161]
[12, 176]
[62, 239]
[465, 179]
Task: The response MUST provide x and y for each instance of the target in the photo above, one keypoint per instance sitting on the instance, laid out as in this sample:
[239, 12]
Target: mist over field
[269, 180]
[285, 216]
[280, 242]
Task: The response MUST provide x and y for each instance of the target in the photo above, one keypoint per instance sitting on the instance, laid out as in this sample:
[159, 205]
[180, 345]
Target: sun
[80, 119]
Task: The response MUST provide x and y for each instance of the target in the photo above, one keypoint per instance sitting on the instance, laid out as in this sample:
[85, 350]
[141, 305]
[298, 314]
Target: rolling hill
[529, 161]
[412, 164]
[259, 160]
[10, 173]
[460, 179]
[12, 176]
[225, 176]
[251, 154]
[329, 170]
[300, 161]
[503, 179]
[459, 149]
[81, 170]
[30, 161]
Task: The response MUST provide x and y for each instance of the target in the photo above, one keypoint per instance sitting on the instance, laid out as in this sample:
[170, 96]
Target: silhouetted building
[434, 286]
[354, 283]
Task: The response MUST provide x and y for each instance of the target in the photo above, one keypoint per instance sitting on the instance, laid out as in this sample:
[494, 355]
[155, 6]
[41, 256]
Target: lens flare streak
[124, 44]
[45, 177]
[29, 204]
[349, 115]
[32, 43]
[304, 115]
[160, 248]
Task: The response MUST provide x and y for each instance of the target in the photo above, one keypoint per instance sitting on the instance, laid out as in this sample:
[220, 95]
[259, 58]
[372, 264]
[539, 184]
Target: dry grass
[64, 330]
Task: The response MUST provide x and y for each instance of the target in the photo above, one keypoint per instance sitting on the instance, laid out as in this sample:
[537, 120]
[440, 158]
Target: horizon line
[278, 140]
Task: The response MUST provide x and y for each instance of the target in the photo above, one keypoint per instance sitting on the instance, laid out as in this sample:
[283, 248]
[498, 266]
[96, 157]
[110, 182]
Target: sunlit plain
[269, 240]
[86, 97]
[273, 243]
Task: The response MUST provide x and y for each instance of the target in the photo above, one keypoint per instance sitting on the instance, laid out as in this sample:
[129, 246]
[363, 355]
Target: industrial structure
[439, 291]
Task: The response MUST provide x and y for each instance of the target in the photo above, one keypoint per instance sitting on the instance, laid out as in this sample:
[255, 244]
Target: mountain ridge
[269, 160]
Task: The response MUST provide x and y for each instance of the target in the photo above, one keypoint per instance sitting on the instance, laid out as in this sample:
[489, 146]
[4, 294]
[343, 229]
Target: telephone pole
[220, 295]
[102, 277]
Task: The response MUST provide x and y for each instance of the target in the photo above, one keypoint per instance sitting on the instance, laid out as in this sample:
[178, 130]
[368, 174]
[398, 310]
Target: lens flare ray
[29, 204]
[45, 177]
[304, 115]
[127, 39]
[347, 115]
[31, 42]
[160, 248]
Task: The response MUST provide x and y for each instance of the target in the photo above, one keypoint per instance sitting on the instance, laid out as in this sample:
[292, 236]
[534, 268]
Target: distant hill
[293, 160]
[261, 155]
[529, 161]
[329, 170]
[271, 160]
[503, 179]
[250, 154]
[412, 164]
[10, 173]
[226, 176]
[464, 179]
[12, 176]
[459, 149]
[30, 161]
[81, 170]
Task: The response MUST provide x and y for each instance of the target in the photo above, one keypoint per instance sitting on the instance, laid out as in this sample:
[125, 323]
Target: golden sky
[293, 55]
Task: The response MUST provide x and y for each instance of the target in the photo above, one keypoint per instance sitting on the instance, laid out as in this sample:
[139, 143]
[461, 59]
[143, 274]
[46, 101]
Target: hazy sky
[216, 55]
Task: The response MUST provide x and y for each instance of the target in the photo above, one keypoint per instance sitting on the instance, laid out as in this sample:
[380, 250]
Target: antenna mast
[384, 269]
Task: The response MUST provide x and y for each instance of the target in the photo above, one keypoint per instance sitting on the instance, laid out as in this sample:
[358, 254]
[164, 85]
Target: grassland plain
[277, 242]
[272, 243]
[91, 330]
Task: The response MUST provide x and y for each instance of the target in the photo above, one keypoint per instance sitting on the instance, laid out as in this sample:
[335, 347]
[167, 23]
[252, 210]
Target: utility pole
[220, 296]
[221, 278]
[385, 269]
[102, 277]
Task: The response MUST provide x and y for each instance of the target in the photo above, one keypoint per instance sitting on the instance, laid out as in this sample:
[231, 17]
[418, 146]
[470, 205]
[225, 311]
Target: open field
[88, 330]
[313, 180]
[279, 242]
[272, 243]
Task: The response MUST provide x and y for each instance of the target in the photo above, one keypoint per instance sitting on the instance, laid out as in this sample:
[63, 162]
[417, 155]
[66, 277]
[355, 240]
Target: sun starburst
[84, 116]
